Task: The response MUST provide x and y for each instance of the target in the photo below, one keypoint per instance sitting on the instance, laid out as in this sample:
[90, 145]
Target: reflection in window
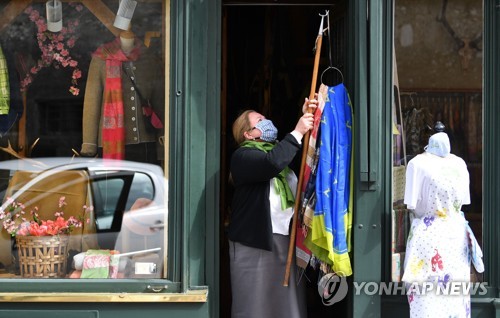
[58, 84]
[92, 90]
[104, 216]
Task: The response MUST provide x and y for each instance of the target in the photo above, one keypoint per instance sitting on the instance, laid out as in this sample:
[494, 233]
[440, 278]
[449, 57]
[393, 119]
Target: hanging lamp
[124, 15]
[54, 15]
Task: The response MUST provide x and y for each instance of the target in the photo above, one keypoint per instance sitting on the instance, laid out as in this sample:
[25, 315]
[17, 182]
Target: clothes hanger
[330, 67]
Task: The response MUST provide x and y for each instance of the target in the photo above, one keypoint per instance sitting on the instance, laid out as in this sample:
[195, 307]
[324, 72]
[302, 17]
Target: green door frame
[371, 46]
[491, 149]
[195, 143]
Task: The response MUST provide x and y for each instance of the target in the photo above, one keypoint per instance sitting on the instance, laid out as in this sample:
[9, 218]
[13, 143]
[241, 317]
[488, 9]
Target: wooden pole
[305, 146]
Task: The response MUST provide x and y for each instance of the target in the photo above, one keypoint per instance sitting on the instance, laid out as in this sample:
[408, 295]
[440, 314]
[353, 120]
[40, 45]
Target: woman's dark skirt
[257, 282]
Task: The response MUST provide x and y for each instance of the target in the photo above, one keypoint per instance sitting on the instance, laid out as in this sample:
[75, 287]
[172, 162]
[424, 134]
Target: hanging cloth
[4, 85]
[308, 191]
[15, 111]
[329, 236]
[113, 130]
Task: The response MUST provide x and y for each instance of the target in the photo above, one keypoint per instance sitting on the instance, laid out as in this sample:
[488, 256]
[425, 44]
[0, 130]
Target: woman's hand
[305, 123]
[313, 103]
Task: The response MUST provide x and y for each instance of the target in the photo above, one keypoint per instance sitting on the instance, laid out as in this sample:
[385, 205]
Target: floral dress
[437, 251]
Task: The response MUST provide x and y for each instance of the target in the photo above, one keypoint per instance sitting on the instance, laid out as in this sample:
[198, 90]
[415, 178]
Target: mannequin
[117, 103]
[127, 39]
[437, 251]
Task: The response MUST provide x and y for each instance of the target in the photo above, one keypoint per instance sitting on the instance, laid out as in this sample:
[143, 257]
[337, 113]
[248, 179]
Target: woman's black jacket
[251, 170]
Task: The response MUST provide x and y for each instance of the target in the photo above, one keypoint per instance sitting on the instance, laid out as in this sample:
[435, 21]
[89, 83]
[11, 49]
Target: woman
[262, 207]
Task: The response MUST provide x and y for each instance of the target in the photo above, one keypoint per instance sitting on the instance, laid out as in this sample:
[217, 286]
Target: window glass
[82, 126]
[438, 77]
[106, 195]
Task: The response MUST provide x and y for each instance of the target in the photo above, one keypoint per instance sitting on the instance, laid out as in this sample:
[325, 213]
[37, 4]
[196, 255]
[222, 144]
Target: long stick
[305, 146]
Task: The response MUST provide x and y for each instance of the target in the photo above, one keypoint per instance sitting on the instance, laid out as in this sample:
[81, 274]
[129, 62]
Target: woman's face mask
[268, 130]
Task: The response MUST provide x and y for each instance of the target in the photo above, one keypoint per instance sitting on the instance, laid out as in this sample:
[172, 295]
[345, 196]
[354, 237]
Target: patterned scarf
[113, 130]
[280, 182]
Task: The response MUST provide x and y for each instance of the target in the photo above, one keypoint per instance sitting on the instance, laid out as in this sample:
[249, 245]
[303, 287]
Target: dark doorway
[267, 64]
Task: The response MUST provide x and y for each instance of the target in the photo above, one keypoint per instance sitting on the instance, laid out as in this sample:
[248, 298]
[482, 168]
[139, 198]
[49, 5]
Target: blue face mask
[268, 130]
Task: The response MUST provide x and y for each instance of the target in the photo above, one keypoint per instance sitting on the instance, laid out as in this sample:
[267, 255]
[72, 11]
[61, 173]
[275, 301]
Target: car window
[105, 201]
[118, 191]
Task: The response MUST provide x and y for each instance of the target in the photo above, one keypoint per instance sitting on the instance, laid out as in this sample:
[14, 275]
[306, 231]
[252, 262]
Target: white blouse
[436, 185]
[281, 219]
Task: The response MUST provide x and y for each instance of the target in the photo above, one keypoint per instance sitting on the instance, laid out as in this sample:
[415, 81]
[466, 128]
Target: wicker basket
[42, 256]
[398, 183]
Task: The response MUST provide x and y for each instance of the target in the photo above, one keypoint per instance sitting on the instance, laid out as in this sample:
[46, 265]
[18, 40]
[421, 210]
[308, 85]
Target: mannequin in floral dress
[438, 246]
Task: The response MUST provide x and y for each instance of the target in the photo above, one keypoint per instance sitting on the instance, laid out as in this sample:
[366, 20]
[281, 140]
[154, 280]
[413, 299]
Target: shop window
[82, 125]
[436, 80]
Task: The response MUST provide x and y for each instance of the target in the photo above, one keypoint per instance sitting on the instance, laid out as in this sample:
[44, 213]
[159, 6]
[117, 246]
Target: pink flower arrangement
[55, 49]
[15, 220]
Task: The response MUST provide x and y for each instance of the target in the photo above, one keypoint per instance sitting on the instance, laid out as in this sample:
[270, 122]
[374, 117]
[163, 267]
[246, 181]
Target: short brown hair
[240, 125]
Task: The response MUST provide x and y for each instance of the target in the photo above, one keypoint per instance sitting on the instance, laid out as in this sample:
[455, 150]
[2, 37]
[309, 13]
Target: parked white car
[128, 200]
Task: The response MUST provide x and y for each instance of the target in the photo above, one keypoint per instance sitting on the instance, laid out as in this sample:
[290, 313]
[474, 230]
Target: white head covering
[439, 144]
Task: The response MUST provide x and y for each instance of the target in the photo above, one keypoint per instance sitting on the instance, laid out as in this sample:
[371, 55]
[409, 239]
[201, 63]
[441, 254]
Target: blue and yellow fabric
[329, 238]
